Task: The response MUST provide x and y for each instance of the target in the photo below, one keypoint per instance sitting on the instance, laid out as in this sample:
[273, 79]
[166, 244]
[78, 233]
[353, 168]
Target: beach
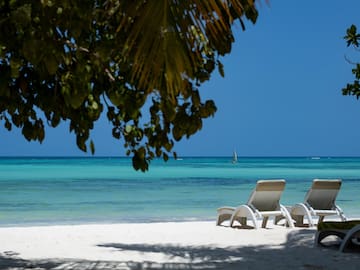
[166, 245]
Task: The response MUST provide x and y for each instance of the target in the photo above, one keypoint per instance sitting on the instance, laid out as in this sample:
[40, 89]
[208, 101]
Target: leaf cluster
[74, 60]
[352, 39]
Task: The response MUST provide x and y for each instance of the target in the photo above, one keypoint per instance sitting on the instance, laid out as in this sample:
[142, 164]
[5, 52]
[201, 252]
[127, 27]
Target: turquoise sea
[36, 191]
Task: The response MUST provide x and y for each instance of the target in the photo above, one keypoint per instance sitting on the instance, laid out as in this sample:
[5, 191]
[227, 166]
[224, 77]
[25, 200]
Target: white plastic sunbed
[319, 202]
[263, 203]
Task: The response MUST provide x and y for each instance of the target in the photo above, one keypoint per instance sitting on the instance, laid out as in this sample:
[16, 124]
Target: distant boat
[235, 157]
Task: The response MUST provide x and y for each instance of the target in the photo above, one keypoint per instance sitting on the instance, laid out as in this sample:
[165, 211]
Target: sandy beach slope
[177, 245]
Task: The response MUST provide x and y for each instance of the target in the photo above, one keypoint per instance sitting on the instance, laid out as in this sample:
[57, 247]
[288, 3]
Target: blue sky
[281, 95]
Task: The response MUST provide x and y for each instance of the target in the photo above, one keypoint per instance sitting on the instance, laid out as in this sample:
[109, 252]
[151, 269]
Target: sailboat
[235, 157]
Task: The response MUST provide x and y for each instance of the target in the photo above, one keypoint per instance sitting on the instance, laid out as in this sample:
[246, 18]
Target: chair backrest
[323, 193]
[266, 195]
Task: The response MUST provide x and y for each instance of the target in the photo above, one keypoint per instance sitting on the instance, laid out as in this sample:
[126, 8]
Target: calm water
[85, 190]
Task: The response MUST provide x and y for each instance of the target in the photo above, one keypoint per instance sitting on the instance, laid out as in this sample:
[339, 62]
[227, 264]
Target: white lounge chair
[319, 202]
[262, 204]
[348, 231]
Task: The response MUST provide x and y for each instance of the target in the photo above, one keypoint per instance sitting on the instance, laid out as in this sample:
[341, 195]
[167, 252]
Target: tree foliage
[74, 60]
[352, 38]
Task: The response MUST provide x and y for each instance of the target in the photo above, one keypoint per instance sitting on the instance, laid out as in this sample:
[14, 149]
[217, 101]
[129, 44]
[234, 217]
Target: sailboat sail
[235, 158]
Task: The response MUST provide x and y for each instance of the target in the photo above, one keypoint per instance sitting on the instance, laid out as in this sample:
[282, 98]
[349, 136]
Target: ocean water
[37, 191]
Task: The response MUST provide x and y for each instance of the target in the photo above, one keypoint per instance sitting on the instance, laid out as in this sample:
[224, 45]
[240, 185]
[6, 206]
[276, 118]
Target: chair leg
[222, 218]
[299, 220]
[264, 221]
[277, 219]
[241, 214]
[317, 239]
[340, 213]
[243, 221]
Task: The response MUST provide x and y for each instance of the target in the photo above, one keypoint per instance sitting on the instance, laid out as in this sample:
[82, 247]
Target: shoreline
[166, 245]
[128, 221]
[103, 222]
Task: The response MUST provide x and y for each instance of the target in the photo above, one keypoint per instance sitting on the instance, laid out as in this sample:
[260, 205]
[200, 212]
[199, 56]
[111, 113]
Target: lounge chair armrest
[349, 235]
[255, 210]
[244, 211]
[310, 209]
[230, 208]
[287, 215]
[302, 209]
[224, 213]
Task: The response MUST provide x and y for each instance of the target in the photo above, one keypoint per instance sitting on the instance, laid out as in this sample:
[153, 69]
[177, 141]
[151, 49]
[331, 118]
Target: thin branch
[349, 61]
[82, 49]
[111, 77]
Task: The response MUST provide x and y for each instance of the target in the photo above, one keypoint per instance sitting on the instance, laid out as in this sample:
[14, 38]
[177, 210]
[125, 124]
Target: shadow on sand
[297, 252]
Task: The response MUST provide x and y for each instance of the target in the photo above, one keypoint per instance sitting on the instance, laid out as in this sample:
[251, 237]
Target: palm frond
[167, 40]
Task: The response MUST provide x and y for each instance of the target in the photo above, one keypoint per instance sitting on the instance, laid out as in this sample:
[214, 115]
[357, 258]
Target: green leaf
[22, 15]
[15, 65]
[51, 64]
[92, 147]
[221, 69]
[80, 141]
[7, 125]
[27, 131]
[116, 133]
[128, 129]
[352, 36]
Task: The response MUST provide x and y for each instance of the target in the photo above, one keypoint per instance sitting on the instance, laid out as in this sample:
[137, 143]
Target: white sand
[182, 245]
